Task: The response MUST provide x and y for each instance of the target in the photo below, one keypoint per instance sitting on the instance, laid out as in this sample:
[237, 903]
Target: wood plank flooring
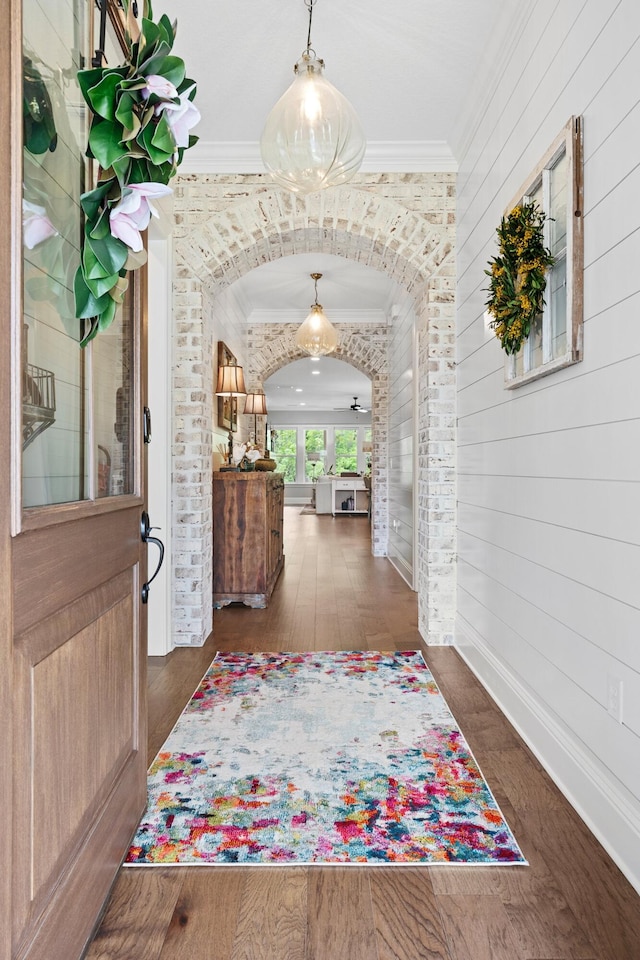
[570, 904]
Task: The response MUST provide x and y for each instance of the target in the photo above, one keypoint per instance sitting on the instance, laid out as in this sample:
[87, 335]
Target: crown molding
[268, 315]
[404, 156]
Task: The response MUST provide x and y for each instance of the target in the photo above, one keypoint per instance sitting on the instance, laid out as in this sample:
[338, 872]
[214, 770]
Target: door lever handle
[145, 536]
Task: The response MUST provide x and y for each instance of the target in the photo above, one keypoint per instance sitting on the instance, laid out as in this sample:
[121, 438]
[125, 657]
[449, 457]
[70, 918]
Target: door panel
[78, 672]
[58, 564]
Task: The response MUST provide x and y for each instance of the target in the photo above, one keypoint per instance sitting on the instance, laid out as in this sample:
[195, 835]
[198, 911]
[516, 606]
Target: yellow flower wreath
[518, 275]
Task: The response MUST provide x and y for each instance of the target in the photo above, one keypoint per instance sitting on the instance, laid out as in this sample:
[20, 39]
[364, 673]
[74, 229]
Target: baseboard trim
[606, 811]
[403, 568]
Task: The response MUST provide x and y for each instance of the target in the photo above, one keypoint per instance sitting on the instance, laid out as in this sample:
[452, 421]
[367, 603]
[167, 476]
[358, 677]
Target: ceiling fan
[355, 406]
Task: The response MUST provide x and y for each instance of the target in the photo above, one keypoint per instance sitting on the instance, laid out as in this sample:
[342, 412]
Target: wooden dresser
[247, 536]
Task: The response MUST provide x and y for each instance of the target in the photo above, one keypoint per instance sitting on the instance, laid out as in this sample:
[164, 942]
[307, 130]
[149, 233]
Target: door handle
[145, 536]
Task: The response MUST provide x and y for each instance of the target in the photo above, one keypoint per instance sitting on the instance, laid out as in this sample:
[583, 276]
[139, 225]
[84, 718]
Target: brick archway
[273, 348]
[401, 225]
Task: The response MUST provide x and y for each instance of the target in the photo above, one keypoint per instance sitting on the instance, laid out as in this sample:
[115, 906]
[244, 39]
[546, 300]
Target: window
[315, 449]
[305, 453]
[283, 446]
[555, 340]
[346, 442]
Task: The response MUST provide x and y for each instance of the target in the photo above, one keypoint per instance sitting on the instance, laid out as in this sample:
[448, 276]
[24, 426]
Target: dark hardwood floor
[571, 902]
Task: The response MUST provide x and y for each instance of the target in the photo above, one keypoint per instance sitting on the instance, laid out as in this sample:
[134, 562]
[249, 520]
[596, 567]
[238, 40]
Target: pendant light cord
[310, 4]
[315, 277]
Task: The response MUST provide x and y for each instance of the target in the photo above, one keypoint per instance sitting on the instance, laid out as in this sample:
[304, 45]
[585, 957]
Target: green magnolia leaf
[167, 29]
[102, 285]
[151, 33]
[100, 228]
[88, 79]
[171, 68]
[147, 117]
[160, 173]
[134, 83]
[188, 84]
[158, 141]
[107, 315]
[86, 304]
[102, 96]
[124, 111]
[163, 138]
[122, 170]
[134, 56]
[148, 54]
[93, 199]
[93, 269]
[104, 142]
[107, 249]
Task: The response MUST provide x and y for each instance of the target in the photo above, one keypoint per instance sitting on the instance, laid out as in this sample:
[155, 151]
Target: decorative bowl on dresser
[248, 551]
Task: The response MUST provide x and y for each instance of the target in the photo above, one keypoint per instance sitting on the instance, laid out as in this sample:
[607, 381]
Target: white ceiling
[286, 285]
[410, 68]
[322, 384]
[282, 291]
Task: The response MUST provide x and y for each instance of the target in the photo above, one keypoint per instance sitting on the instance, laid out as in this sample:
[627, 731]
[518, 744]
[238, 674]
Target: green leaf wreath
[142, 113]
[518, 275]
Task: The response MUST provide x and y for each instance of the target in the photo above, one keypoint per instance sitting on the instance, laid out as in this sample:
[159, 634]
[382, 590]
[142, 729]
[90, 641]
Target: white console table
[333, 492]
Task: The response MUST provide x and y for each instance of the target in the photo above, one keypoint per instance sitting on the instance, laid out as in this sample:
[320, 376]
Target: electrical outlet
[614, 697]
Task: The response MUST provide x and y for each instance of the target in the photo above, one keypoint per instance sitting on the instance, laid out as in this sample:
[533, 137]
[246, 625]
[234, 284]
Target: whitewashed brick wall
[400, 224]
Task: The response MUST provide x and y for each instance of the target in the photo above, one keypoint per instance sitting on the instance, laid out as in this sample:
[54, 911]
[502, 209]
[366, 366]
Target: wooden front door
[72, 562]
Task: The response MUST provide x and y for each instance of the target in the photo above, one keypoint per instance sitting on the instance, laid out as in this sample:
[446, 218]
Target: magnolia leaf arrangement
[518, 275]
[142, 112]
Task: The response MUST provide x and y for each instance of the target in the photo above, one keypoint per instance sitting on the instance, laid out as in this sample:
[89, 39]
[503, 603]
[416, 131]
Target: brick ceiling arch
[353, 347]
[348, 221]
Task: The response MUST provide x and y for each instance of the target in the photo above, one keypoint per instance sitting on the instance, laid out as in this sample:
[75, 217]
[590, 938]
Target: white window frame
[568, 142]
[330, 459]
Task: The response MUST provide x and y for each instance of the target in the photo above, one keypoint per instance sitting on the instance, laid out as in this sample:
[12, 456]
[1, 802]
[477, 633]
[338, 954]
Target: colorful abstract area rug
[319, 758]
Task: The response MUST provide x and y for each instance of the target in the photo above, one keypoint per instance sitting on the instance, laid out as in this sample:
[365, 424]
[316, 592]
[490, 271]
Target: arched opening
[217, 247]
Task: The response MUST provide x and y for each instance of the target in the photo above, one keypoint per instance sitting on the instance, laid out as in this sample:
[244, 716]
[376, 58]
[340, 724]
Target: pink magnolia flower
[181, 117]
[133, 212]
[36, 225]
[160, 86]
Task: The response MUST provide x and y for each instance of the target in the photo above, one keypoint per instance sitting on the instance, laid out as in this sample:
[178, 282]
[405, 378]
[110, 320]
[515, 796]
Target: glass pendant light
[316, 335]
[312, 138]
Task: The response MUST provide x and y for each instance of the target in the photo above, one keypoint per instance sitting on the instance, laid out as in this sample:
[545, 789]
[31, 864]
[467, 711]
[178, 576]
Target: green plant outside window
[284, 453]
[346, 445]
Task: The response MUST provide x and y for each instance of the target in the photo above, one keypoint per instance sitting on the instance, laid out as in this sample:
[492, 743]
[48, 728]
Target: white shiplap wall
[401, 435]
[549, 474]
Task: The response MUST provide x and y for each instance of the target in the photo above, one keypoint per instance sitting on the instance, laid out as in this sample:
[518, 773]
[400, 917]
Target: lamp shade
[312, 138]
[255, 403]
[317, 335]
[230, 381]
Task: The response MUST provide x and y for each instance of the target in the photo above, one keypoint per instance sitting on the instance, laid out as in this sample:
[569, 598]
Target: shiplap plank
[577, 504]
[602, 396]
[607, 566]
[551, 454]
